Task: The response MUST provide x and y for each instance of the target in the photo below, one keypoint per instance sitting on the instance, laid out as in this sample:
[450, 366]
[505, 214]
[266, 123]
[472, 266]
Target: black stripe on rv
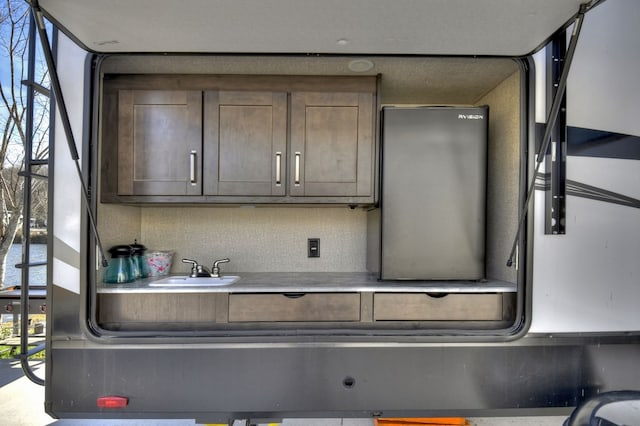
[597, 143]
[583, 142]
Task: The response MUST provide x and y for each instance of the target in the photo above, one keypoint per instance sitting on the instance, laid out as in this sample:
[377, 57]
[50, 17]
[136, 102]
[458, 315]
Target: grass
[6, 331]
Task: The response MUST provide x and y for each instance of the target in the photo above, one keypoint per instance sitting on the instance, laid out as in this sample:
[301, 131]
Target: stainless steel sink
[186, 281]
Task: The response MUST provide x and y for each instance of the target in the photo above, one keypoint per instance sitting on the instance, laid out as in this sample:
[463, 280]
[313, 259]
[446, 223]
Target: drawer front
[294, 307]
[156, 307]
[423, 307]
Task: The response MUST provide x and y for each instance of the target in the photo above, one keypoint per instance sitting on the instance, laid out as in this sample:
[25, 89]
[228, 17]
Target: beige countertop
[316, 282]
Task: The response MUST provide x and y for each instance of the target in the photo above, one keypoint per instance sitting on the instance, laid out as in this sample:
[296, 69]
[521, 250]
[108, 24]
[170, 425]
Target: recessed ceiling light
[360, 65]
[342, 41]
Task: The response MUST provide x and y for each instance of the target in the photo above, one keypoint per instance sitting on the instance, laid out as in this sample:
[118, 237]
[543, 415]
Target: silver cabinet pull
[192, 167]
[278, 168]
[297, 170]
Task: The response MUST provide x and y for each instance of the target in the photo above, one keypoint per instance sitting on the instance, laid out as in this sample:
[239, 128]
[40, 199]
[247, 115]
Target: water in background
[37, 274]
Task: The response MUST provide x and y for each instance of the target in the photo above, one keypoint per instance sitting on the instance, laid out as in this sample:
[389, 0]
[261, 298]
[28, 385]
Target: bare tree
[14, 32]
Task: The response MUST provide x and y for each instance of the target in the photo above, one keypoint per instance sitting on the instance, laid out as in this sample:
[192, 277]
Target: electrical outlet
[314, 247]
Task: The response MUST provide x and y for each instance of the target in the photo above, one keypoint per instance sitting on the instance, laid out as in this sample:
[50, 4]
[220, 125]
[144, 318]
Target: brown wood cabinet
[331, 144]
[238, 139]
[159, 142]
[219, 311]
[245, 139]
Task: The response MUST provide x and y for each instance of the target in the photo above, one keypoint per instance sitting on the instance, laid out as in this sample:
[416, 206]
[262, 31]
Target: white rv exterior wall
[604, 88]
[66, 185]
[587, 280]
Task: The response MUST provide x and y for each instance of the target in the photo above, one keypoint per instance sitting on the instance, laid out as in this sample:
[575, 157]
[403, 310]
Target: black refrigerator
[433, 193]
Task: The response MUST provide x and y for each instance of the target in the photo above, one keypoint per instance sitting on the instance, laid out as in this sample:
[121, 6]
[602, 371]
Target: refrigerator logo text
[470, 117]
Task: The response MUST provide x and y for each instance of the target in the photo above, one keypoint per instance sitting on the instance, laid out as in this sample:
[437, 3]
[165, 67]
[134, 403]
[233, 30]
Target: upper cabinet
[331, 144]
[245, 136]
[159, 142]
[239, 139]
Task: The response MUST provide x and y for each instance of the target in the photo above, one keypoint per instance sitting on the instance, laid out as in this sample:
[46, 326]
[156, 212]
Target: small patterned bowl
[159, 262]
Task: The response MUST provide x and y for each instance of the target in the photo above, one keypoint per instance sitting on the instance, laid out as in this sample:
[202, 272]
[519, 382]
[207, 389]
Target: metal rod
[37, 87]
[33, 175]
[29, 265]
[36, 350]
[551, 121]
[66, 124]
[26, 212]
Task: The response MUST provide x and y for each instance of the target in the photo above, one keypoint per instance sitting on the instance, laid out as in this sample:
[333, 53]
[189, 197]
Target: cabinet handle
[297, 170]
[278, 168]
[192, 167]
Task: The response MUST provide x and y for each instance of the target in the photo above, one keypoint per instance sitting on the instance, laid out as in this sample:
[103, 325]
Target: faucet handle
[194, 266]
[215, 273]
[225, 260]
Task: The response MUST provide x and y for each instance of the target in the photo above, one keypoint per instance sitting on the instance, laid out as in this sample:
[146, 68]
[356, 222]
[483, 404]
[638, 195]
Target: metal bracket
[556, 157]
[551, 121]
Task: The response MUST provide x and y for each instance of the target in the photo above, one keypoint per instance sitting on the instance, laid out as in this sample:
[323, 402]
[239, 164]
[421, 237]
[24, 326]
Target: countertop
[316, 282]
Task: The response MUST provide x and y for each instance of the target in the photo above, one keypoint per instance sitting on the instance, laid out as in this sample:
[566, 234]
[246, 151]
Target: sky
[5, 65]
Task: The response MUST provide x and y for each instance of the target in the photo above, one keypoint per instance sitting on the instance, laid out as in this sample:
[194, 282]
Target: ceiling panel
[404, 80]
[422, 27]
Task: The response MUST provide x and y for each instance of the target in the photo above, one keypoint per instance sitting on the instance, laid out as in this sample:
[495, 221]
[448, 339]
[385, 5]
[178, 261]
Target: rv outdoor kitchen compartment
[448, 206]
[210, 138]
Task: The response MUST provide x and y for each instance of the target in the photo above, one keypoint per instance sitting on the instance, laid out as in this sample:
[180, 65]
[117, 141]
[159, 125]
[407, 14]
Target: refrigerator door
[433, 193]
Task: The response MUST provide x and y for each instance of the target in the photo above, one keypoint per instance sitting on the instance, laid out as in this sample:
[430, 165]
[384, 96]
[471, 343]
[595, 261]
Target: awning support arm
[551, 121]
[66, 124]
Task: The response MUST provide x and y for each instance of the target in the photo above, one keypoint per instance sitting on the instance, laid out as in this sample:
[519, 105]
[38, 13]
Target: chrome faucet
[197, 270]
[215, 271]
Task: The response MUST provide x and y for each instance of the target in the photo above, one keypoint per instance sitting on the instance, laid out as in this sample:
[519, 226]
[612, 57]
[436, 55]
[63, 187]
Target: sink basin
[186, 281]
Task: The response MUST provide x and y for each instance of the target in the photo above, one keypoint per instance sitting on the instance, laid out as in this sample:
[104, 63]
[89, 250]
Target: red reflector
[113, 401]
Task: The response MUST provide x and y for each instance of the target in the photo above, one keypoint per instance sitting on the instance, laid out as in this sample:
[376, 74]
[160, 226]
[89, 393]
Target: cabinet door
[245, 143]
[159, 142]
[331, 144]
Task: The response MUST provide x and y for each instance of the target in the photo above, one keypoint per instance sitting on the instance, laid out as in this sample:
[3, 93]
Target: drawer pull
[293, 295]
[436, 295]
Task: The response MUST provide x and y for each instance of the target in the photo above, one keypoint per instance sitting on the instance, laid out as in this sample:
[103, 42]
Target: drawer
[294, 307]
[423, 307]
[156, 307]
